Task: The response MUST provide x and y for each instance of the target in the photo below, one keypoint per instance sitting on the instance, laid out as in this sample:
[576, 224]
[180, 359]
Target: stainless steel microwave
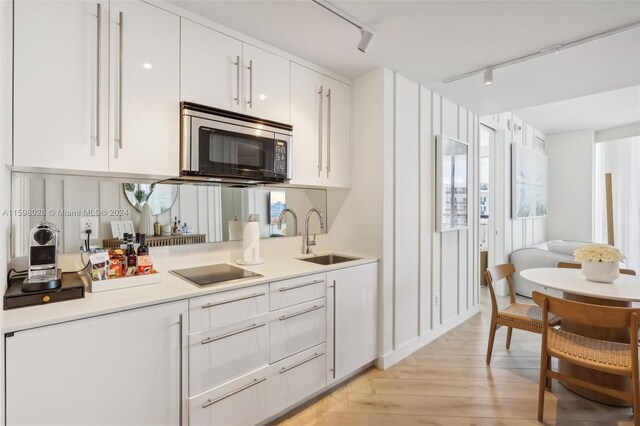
[228, 147]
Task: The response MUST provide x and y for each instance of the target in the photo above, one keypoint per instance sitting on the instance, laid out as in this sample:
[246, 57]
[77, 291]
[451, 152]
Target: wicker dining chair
[602, 355]
[517, 315]
[579, 266]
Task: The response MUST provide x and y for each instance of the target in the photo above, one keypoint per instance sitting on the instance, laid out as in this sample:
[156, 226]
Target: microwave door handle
[321, 93]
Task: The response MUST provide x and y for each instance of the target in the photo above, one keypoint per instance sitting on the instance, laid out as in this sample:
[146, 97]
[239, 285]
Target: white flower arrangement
[598, 253]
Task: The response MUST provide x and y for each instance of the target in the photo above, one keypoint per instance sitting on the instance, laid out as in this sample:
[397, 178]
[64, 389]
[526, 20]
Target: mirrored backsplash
[204, 213]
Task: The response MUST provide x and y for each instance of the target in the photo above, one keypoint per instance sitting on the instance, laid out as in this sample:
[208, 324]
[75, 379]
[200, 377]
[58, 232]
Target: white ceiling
[596, 112]
[429, 41]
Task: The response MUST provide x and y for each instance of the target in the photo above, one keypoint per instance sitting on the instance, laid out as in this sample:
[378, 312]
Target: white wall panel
[407, 209]
[436, 266]
[426, 209]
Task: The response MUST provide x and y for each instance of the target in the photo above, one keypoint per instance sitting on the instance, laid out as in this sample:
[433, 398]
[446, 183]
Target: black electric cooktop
[214, 274]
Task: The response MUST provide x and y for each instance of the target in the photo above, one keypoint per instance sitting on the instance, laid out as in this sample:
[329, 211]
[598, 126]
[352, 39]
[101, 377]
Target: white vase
[600, 272]
[146, 222]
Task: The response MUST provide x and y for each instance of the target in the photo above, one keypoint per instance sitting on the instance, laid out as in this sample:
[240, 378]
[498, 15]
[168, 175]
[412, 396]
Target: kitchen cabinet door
[352, 325]
[266, 84]
[337, 133]
[307, 100]
[60, 84]
[118, 369]
[210, 65]
[145, 89]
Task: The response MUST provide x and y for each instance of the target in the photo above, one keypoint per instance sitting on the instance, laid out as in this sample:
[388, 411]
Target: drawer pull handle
[301, 285]
[233, 333]
[315, 308]
[298, 364]
[213, 401]
[237, 299]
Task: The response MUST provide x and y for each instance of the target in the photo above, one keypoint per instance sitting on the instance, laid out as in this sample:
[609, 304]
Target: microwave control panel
[280, 160]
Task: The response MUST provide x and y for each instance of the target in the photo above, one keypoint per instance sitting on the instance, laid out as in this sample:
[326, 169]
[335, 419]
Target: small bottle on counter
[132, 259]
[156, 228]
[176, 230]
[143, 250]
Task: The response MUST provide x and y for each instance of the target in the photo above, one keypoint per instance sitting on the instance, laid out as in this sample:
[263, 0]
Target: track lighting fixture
[366, 35]
[487, 77]
[488, 71]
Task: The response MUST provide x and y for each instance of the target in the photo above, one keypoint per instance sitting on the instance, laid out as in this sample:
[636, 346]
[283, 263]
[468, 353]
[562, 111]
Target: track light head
[365, 40]
[487, 77]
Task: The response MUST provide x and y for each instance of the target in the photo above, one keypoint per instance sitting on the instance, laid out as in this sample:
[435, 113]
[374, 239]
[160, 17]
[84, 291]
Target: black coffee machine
[43, 271]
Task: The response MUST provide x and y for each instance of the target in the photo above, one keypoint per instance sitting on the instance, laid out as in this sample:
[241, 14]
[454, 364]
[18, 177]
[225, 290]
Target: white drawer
[296, 290]
[224, 353]
[243, 401]
[297, 328]
[229, 306]
[295, 378]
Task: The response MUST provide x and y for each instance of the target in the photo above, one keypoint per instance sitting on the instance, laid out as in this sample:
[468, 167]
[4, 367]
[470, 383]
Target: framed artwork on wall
[452, 184]
[529, 182]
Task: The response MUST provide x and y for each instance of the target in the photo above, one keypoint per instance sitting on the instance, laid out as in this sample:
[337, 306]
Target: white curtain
[621, 158]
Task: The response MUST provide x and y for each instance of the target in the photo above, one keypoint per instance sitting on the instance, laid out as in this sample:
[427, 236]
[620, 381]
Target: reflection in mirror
[159, 197]
[203, 212]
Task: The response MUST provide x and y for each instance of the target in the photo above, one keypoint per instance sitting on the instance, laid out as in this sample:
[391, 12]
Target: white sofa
[544, 255]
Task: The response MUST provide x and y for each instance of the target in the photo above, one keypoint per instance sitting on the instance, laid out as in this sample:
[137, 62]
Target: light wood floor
[448, 383]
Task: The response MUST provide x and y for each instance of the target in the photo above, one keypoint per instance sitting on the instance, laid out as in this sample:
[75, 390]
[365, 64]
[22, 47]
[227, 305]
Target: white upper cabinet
[338, 104]
[222, 72]
[211, 67]
[145, 89]
[60, 102]
[307, 94]
[320, 115]
[266, 84]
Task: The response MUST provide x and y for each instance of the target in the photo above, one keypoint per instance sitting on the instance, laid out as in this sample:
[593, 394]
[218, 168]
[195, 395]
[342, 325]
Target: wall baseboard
[390, 358]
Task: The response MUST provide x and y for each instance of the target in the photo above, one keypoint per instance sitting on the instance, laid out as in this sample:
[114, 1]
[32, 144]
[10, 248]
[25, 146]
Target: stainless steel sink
[329, 259]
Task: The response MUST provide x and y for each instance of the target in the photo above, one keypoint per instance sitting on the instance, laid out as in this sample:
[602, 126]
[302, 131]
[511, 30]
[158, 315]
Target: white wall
[394, 124]
[571, 192]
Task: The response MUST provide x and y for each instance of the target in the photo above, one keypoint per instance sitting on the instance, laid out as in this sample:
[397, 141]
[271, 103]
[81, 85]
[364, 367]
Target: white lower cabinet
[296, 328]
[243, 401]
[297, 377]
[352, 324]
[223, 353]
[118, 369]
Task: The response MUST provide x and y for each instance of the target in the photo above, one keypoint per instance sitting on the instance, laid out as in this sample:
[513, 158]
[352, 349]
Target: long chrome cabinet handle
[315, 308]
[328, 132]
[298, 364]
[98, 61]
[250, 68]
[180, 366]
[224, 302]
[213, 401]
[293, 287]
[120, 73]
[333, 370]
[233, 333]
[237, 64]
[321, 93]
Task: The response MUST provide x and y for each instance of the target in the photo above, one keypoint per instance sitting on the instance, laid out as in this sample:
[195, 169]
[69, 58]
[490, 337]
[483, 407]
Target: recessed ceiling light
[262, 97]
[147, 66]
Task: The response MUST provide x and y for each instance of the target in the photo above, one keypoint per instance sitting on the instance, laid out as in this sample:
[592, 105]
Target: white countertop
[171, 288]
[626, 287]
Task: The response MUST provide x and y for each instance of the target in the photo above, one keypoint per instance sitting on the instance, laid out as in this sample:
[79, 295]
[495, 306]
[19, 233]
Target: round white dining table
[624, 290]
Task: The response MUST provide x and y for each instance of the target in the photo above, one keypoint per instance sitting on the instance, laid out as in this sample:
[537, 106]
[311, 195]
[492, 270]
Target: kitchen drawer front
[243, 401]
[297, 328]
[226, 307]
[224, 353]
[295, 378]
[296, 290]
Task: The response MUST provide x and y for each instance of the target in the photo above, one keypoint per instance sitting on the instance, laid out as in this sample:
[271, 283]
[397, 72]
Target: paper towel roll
[250, 244]
[235, 230]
